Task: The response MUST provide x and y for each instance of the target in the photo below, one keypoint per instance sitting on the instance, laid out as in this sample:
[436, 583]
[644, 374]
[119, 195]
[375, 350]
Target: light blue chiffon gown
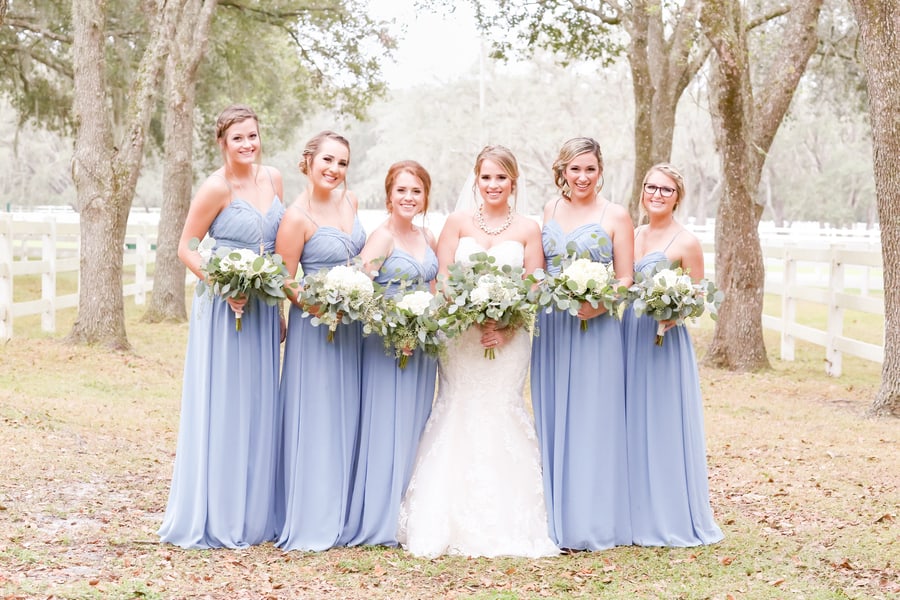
[666, 444]
[320, 393]
[578, 396]
[396, 404]
[223, 483]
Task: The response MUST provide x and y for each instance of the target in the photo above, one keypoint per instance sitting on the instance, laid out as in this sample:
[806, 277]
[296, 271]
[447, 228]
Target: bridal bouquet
[669, 294]
[341, 294]
[240, 272]
[580, 280]
[484, 291]
[408, 322]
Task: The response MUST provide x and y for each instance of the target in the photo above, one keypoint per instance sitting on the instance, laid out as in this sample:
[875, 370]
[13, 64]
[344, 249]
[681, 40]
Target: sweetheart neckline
[474, 241]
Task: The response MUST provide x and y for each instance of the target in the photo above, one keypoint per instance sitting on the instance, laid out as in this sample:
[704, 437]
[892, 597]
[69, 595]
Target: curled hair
[236, 113]
[569, 151]
[315, 144]
[504, 157]
[672, 173]
[414, 169]
[231, 115]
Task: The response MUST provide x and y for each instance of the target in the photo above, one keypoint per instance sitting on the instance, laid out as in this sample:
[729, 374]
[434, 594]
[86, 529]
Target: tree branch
[599, 13]
[765, 18]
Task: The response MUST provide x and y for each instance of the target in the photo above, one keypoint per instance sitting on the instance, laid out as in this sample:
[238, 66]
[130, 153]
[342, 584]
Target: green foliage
[569, 30]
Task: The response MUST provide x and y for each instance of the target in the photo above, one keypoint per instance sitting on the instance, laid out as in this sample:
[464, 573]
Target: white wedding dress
[476, 488]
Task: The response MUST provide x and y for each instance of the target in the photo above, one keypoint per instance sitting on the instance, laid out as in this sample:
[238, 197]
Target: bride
[476, 487]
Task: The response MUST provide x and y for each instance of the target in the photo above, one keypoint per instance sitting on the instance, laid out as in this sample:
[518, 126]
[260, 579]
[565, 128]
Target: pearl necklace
[479, 220]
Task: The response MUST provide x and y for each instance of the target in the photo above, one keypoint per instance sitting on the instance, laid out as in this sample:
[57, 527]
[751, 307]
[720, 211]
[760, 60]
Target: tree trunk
[878, 29]
[744, 132]
[167, 303]
[661, 69]
[105, 175]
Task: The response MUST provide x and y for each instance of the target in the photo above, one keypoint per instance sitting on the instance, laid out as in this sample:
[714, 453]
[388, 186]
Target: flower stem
[660, 332]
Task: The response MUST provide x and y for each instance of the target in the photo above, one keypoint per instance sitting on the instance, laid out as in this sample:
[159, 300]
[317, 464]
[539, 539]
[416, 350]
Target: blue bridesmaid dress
[578, 396]
[666, 444]
[320, 394]
[223, 483]
[396, 403]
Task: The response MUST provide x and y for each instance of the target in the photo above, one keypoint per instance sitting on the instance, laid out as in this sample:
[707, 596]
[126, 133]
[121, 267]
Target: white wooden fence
[811, 268]
[48, 245]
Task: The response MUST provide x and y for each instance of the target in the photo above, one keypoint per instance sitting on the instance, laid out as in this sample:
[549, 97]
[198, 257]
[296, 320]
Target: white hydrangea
[416, 302]
[583, 270]
[238, 260]
[669, 278]
[348, 281]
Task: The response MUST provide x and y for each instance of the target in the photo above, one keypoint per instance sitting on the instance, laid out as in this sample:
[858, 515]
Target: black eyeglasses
[664, 191]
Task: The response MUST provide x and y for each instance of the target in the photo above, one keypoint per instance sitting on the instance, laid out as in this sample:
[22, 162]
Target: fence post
[142, 247]
[6, 277]
[48, 277]
[788, 304]
[835, 326]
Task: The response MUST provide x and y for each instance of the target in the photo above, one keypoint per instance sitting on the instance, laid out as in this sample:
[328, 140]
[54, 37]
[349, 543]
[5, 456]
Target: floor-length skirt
[578, 396]
[320, 393]
[396, 404]
[666, 444]
[223, 483]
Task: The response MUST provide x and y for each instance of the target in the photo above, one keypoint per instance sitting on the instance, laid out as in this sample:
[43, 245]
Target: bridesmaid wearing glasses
[664, 409]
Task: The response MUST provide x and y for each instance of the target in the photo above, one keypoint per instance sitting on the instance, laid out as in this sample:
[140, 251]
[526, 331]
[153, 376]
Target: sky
[433, 48]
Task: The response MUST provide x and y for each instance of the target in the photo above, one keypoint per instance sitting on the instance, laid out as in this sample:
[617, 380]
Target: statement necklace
[479, 220]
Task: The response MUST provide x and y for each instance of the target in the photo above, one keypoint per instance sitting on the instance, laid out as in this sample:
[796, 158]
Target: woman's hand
[589, 312]
[491, 336]
[237, 304]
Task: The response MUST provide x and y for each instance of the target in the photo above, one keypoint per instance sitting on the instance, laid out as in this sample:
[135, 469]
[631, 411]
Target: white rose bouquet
[580, 280]
[239, 273]
[484, 291]
[669, 294]
[341, 294]
[408, 322]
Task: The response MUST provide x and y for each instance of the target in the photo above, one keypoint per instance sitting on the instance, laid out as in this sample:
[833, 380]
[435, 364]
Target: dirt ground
[804, 486]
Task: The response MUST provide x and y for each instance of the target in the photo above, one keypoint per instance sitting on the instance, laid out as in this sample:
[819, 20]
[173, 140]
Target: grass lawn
[804, 486]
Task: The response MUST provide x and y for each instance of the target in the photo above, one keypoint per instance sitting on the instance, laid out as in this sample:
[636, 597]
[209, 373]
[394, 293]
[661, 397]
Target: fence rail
[48, 246]
[826, 271]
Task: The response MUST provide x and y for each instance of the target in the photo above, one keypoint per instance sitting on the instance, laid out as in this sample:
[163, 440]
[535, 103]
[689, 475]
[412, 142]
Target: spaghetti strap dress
[666, 445]
[396, 404]
[320, 393]
[578, 397]
[223, 483]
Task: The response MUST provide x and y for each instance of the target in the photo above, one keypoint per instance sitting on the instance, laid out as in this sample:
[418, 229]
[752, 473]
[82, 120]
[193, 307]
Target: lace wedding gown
[476, 488]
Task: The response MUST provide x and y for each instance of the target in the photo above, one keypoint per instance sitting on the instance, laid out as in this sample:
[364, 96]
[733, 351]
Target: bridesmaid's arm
[378, 247]
[691, 255]
[289, 242]
[622, 232]
[208, 202]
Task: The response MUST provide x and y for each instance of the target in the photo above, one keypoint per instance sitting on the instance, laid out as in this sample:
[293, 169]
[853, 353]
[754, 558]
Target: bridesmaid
[396, 402]
[320, 390]
[224, 476]
[577, 377]
[664, 410]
